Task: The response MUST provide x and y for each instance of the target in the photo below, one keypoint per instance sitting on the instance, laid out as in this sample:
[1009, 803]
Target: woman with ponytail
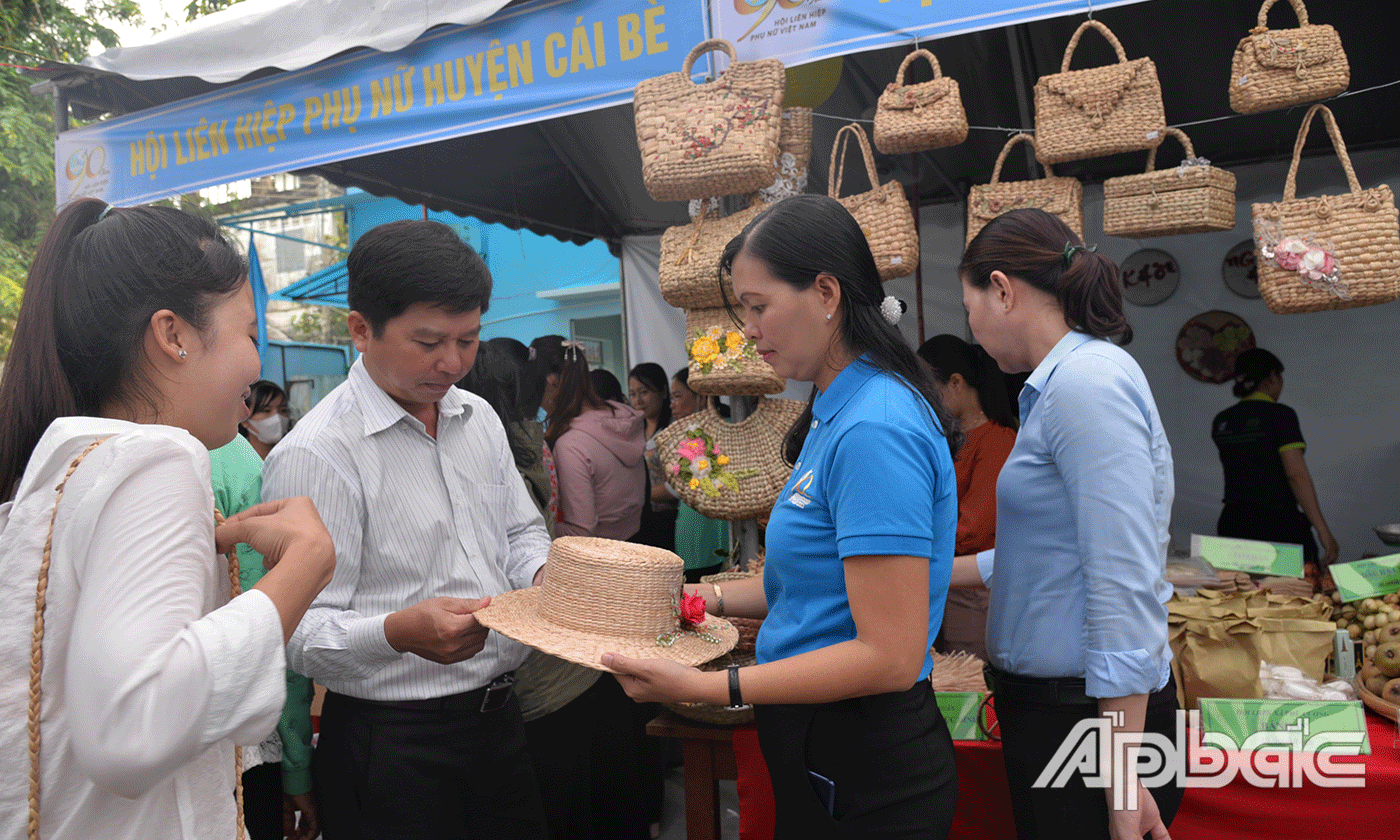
[974, 390]
[133, 351]
[859, 546]
[1078, 619]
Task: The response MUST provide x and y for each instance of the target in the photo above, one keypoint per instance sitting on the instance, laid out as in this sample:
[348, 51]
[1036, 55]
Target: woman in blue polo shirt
[1078, 622]
[859, 546]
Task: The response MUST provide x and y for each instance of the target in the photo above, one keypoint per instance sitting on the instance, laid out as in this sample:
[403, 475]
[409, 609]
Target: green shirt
[237, 475]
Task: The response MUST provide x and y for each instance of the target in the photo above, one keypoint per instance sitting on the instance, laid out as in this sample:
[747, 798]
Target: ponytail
[576, 391]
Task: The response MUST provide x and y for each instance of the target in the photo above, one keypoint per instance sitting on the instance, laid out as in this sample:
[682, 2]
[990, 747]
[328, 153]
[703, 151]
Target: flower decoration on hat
[1314, 260]
[701, 466]
[689, 611]
[717, 347]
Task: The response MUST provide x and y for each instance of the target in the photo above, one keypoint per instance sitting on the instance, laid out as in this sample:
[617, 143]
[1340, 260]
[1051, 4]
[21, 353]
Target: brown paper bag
[1301, 642]
[1219, 658]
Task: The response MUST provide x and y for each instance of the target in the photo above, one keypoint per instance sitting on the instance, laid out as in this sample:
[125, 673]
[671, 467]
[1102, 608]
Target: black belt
[1052, 691]
[488, 698]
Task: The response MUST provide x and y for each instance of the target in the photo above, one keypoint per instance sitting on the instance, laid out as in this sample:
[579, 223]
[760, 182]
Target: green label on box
[963, 712]
[1249, 556]
[1367, 578]
[1328, 726]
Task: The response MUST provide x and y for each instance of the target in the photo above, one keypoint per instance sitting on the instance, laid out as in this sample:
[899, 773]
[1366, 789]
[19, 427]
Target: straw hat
[603, 596]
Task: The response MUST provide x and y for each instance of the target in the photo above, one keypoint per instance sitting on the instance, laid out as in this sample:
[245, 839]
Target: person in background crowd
[1078, 620]
[1266, 479]
[700, 541]
[277, 772]
[855, 577]
[269, 419]
[974, 390]
[606, 386]
[133, 350]
[421, 735]
[646, 390]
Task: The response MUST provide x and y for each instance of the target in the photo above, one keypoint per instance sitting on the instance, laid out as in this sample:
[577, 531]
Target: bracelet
[736, 699]
[719, 599]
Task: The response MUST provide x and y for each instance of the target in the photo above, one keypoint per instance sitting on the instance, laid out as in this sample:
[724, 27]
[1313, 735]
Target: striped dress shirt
[412, 518]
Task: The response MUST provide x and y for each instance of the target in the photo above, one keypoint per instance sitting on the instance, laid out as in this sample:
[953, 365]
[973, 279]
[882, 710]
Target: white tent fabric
[286, 34]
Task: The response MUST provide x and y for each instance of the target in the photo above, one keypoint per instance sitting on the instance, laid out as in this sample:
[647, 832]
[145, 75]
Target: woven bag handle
[838, 159]
[909, 59]
[1170, 132]
[1006, 150]
[1104, 30]
[1298, 8]
[704, 47]
[1290, 187]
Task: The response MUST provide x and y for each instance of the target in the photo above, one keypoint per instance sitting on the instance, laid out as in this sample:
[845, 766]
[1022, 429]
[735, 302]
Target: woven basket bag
[1195, 197]
[882, 212]
[1099, 110]
[794, 156]
[1328, 251]
[1055, 194]
[689, 270]
[922, 116]
[715, 138]
[751, 448]
[36, 662]
[1282, 67]
[722, 360]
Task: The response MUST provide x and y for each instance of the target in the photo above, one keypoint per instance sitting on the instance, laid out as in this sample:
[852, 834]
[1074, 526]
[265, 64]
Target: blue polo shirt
[874, 477]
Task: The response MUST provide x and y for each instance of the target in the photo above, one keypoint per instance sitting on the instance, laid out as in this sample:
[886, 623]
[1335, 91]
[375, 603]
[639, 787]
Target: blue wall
[522, 263]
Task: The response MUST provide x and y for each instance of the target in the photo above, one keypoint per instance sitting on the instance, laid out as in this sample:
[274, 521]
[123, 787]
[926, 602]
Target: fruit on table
[1390, 692]
[1387, 659]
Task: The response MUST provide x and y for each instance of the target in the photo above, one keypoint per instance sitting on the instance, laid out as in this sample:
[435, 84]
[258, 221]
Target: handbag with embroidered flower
[715, 138]
[1276, 68]
[1194, 197]
[722, 360]
[1327, 251]
[882, 212]
[921, 116]
[1055, 194]
[1097, 111]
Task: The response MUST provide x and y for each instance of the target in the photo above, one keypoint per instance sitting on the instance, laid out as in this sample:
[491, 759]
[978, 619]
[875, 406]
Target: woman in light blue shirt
[1078, 622]
[859, 547]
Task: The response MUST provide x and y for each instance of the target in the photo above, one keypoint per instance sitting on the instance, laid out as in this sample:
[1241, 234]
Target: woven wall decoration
[1194, 197]
[715, 138]
[882, 212]
[1097, 111]
[1055, 194]
[921, 116]
[1276, 68]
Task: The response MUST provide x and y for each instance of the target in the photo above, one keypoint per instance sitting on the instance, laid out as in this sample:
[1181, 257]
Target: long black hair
[99, 275]
[653, 377]
[500, 376]
[806, 235]
[948, 354]
[576, 391]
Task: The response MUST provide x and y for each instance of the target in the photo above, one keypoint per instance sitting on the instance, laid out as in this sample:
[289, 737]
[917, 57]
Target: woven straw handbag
[922, 116]
[1099, 110]
[36, 661]
[1055, 194]
[715, 138]
[722, 360]
[1328, 251]
[1282, 67]
[794, 156]
[1195, 197]
[689, 270]
[729, 470]
[883, 212]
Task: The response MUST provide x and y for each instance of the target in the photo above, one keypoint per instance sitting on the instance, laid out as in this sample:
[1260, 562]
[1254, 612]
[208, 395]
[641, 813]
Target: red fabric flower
[692, 610]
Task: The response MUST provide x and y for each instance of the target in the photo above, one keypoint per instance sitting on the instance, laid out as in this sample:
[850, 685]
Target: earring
[828, 316]
[183, 354]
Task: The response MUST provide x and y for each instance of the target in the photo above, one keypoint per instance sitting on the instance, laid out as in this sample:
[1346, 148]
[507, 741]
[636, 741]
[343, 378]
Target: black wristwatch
[736, 699]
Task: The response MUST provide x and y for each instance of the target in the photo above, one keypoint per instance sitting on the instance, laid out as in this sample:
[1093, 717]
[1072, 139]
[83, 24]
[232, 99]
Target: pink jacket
[602, 473]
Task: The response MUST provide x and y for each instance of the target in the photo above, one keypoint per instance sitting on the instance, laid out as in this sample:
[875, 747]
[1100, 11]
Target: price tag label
[1328, 726]
[1249, 556]
[1367, 578]
[964, 713]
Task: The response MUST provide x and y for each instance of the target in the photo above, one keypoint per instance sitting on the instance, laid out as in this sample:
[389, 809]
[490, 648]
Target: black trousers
[1031, 732]
[388, 771]
[262, 801]
[889, 756]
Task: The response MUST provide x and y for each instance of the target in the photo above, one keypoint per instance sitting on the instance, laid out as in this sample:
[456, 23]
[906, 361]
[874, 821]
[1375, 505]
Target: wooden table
[708, 753]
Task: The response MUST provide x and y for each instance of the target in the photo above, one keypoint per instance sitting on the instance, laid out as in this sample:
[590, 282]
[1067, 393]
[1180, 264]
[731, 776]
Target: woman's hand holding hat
[661, 680]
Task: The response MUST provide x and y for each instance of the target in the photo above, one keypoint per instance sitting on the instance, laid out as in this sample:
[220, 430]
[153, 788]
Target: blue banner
[255, 277]
[529, 63]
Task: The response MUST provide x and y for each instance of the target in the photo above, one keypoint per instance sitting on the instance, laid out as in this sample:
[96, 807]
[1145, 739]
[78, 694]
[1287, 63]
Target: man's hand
[440, 630]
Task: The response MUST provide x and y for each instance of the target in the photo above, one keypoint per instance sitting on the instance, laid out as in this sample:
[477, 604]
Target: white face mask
[271, 428]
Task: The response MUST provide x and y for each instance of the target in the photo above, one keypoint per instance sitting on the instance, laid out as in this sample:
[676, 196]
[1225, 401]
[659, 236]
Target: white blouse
[150, 673]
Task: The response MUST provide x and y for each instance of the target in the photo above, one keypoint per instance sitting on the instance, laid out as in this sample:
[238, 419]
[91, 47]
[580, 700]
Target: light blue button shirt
[1083, 508]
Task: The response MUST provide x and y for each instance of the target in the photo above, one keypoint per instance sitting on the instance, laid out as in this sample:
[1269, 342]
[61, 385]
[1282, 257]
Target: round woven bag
[722, 360]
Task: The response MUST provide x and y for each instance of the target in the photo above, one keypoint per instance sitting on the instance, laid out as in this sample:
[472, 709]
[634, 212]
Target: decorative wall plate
[1239, 272]
[1207, 345]
[1149, 276]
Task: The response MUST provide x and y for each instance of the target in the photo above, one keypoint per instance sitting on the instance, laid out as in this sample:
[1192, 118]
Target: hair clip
[572, 349]
[105, 211]
[531, 354]
[891, 309]
[1071, 248]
